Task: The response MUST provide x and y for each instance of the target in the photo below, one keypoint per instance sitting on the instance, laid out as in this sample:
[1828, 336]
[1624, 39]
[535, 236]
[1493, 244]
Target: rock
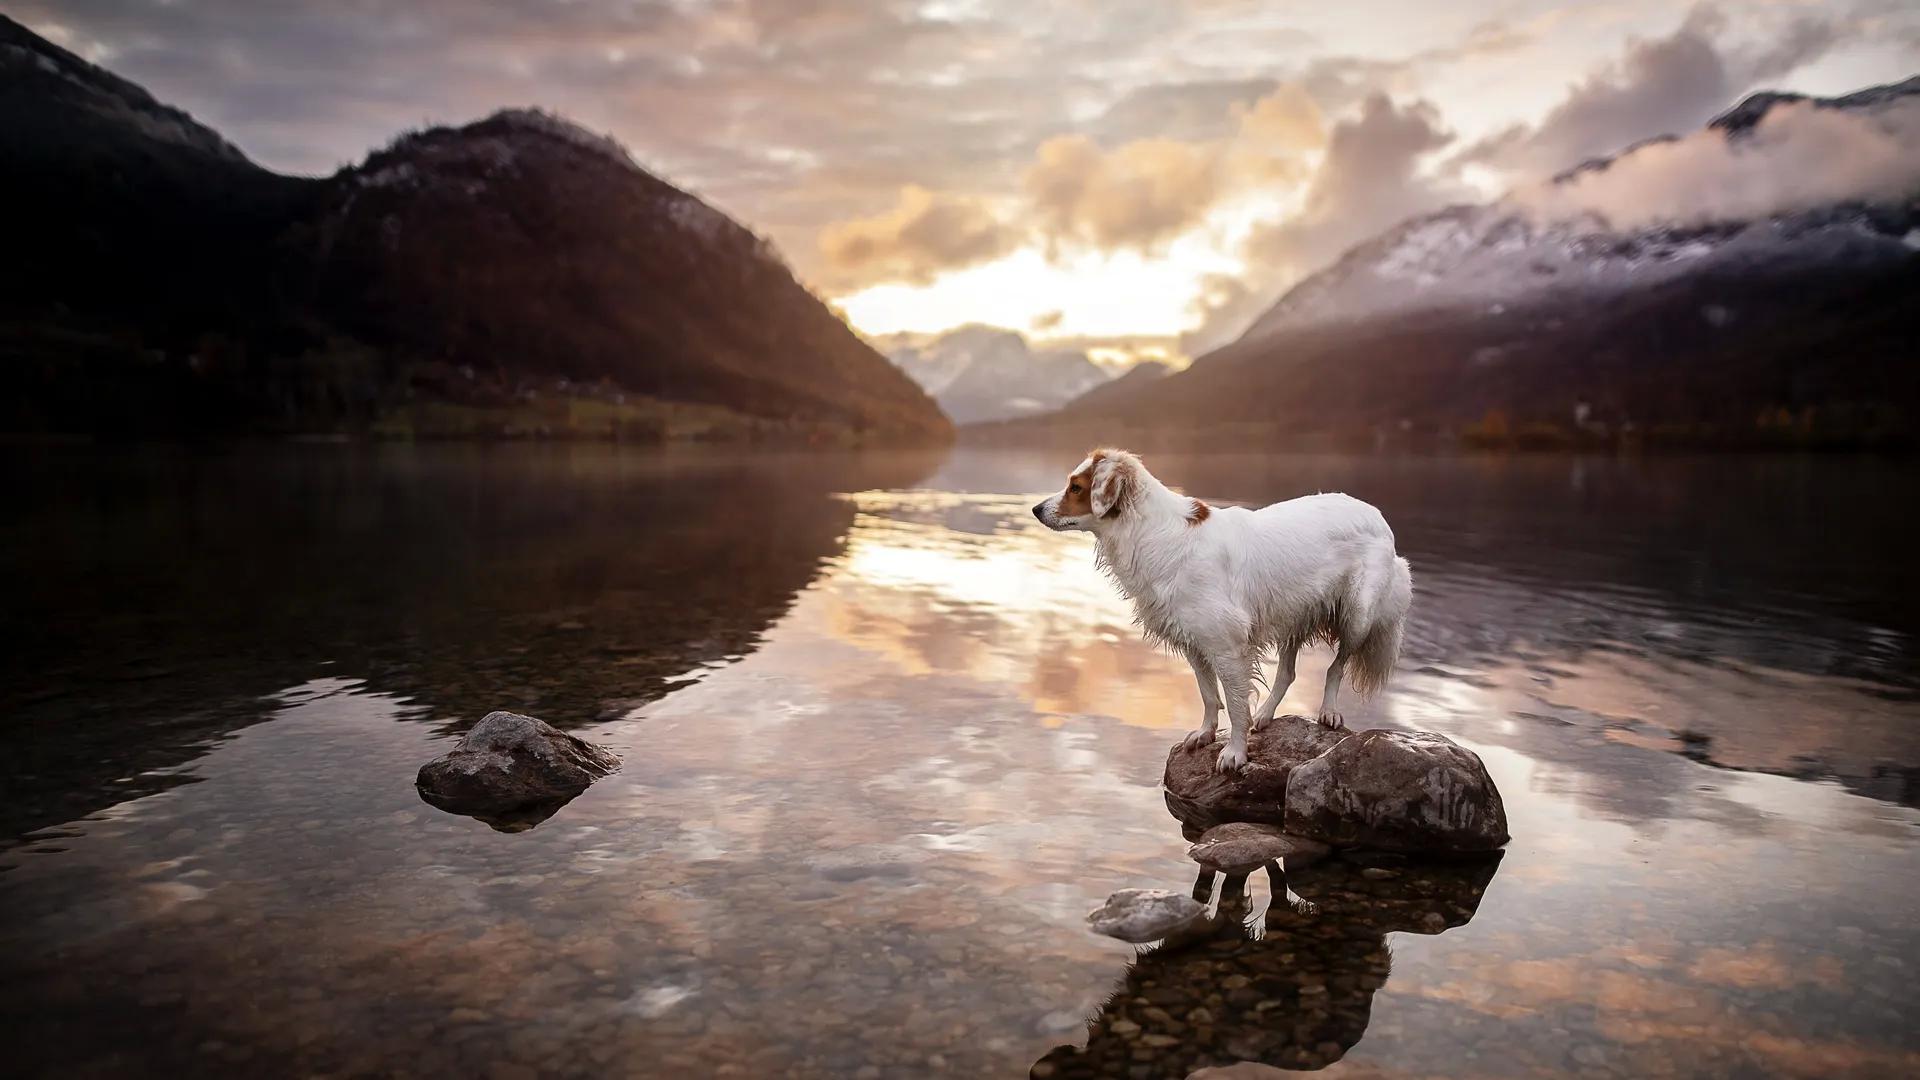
[1202, 798]
[1139, 915]
[512, 772]
[1241, 847]
[1398, 790]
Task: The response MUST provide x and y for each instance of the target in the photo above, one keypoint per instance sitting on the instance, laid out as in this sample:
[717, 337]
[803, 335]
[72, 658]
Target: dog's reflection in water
[1293, 989]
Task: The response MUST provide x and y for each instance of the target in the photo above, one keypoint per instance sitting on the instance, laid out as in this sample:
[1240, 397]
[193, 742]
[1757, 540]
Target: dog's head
[1097, 491]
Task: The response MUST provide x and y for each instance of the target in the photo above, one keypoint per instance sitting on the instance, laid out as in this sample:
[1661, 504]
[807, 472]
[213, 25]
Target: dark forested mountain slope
[512, 275]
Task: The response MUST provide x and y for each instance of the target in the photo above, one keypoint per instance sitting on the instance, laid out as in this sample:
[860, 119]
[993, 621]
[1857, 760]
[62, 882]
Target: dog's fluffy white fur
[1228, 586]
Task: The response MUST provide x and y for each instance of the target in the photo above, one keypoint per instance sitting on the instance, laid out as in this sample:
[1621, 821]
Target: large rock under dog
[1203, 798]
[512, 771]
[1411, 791]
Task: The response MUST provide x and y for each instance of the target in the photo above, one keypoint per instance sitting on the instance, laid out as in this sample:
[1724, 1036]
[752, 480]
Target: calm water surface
[886, 741]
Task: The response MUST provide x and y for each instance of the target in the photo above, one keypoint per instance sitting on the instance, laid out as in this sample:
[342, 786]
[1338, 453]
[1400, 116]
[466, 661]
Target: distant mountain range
[987, 373]
[1134, 381]
[1771, 309]
[515, 276]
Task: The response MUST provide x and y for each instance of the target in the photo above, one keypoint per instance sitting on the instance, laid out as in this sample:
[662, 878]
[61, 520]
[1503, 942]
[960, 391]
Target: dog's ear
[1113, 477]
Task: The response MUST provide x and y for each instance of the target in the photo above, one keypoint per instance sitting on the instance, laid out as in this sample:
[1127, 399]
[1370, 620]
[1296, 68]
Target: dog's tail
[1371, 665]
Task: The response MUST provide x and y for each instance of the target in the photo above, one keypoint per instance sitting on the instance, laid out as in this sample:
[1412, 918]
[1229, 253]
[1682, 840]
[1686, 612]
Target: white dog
[1225, 586]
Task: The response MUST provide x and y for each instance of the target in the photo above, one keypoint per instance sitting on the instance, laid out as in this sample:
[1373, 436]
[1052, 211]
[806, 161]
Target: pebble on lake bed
[1141, 915]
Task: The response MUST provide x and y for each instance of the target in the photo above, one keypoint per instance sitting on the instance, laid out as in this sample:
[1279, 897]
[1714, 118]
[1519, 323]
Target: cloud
[1226, 305]
[808, 119]
[1806, 39]
[1198, 109]
[789, 116]
[924, 234]
[1274, 131]
[1799, 156]
[1137, 195]
[1372, 176]
[1147, 191]
[1660, 86]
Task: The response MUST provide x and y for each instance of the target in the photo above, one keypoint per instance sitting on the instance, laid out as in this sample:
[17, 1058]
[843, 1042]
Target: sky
[1139, 178]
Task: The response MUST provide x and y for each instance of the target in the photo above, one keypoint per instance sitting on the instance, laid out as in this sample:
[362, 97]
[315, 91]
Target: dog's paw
[1260, 721]
[1196, 739]
[1332, 719]
[1232, 759]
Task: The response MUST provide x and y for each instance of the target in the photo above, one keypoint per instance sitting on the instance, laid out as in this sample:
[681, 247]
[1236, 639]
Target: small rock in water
[1242, 846]
[512, 772]
[1141, 915]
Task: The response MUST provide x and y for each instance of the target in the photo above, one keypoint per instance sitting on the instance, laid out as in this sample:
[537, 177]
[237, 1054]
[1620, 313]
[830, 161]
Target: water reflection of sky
[869, 843]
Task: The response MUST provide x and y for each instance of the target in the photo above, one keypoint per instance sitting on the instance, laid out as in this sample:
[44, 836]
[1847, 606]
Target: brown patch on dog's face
[1072, 509]
[1076, 499]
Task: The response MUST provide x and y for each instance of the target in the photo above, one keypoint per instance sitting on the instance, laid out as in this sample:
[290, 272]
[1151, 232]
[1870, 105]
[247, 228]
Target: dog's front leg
[1209, 701]
[1236, 682]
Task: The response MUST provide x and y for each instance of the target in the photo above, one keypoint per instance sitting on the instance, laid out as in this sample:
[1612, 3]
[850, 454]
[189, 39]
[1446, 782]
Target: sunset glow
[1159, 174]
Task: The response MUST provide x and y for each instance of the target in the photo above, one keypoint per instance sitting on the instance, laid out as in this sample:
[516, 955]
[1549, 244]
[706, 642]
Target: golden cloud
[1137, 195]
[926, 232]
[1145, 192]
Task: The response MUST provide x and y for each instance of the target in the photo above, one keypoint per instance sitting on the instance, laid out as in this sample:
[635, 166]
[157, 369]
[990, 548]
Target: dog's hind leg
[1236, 683]
[1282, 679]
[1209, 701]
[1330, 716]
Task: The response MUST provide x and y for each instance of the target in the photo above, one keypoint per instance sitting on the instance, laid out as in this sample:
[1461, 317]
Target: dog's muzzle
[1040, 511]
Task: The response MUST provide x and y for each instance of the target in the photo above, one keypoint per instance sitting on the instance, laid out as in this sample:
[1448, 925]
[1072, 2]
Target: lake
[887, 740]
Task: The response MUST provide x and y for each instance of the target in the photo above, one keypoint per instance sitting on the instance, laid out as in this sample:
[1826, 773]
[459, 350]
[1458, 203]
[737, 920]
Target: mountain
[1747, 284]
[125, 211]
[518, 275]
[1133, 381]
[988, 373]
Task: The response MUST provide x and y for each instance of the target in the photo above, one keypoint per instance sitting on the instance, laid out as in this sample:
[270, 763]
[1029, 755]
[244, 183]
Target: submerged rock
[1203, 798]
[512, 772]
[1140, 915]
[1242, 847]
[1397, 790]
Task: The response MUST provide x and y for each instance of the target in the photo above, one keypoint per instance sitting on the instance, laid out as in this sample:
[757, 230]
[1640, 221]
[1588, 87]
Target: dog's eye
[1073, 489]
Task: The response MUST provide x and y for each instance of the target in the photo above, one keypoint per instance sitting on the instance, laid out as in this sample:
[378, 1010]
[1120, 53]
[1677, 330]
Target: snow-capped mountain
[1560, 237]
[1750, 283]
[1493, 257]
[988, 373]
